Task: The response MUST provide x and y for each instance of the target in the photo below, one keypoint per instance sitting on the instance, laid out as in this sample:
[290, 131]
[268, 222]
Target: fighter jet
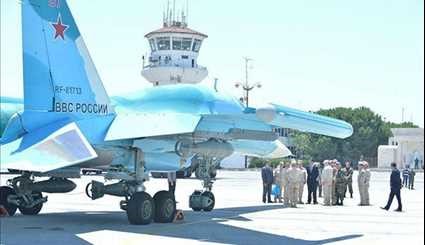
[68, 122]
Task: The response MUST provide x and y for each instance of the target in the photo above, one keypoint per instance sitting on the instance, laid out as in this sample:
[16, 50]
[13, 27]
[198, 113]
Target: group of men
[409, 177]
[330, 179]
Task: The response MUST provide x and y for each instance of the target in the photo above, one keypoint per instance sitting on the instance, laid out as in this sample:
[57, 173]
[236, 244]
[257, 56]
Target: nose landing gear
[202, 201]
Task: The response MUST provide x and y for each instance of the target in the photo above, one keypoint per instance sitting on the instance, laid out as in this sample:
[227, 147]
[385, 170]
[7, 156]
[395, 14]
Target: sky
[307, 54]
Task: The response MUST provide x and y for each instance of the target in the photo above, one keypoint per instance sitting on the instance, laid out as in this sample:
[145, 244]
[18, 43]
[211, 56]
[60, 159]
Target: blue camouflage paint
[62, 91]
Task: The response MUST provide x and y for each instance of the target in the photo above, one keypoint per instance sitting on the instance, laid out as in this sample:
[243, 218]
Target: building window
[186, 44]
[177, 43]
[152, 43]
[196, 45]
[163, 43]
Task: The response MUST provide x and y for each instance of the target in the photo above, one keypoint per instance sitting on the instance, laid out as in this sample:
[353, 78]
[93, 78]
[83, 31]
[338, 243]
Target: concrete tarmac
[239, 218]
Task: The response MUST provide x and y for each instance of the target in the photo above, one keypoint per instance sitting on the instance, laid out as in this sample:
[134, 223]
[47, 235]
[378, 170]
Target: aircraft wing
[52, 147]
[130, 126]
[285, 117]
[264, 149]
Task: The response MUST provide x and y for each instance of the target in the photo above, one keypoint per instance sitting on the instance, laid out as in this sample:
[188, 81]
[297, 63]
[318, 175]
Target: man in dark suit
[395, 189]
[312, 182]
[267, 176]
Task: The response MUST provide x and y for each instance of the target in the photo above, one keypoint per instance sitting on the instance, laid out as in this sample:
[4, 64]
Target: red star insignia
[59, 28]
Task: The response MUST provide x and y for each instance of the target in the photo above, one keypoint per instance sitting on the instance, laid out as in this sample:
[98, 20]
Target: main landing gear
[142, 209]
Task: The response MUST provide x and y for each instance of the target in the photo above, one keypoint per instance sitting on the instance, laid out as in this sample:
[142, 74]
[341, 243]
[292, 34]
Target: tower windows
[196, 45]
[152, 43]
[163, 43]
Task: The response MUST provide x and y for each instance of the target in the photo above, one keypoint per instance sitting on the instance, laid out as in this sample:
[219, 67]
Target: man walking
[348, 174]
[302, 181]
[312, 182]
[267, 177]
[326, 179]
[395, 189]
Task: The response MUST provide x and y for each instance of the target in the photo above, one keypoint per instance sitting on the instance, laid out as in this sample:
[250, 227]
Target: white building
[174, 54]
[406, 147]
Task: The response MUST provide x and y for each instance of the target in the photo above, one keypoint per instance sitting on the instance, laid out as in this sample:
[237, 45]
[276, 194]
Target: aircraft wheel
[211, 202]
[6, 191]
[140, 209]
[196, 208]
[165, 207]
[34, 210]
[213, 173]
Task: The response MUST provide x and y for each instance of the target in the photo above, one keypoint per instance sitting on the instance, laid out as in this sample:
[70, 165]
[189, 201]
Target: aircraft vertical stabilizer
[59, 75]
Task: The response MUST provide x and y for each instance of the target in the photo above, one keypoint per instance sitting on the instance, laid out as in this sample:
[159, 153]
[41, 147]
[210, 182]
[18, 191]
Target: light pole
[247, 87]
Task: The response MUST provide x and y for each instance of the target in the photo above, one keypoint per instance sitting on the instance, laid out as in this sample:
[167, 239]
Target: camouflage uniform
[340, 186]
[348, 173]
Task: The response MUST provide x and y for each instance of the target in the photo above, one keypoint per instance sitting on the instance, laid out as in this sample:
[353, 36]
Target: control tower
[174, 53]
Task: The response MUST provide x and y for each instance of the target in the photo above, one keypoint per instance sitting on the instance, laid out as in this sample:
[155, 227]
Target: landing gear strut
[204, 200]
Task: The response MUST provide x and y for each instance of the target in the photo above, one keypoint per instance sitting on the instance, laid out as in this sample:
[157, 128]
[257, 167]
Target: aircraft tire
[5, 191]
[210, 195]
[213, 173]
[140, 209]
[165, 207]
[34, 210]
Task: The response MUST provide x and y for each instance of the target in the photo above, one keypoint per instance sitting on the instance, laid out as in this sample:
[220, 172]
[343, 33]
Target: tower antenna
[168, 12]
[174, 10]
[187, 12]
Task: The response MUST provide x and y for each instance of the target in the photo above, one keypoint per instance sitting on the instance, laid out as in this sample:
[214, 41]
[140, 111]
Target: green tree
[370, 131]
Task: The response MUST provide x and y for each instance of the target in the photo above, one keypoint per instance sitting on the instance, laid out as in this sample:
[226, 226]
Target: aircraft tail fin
[59, 75]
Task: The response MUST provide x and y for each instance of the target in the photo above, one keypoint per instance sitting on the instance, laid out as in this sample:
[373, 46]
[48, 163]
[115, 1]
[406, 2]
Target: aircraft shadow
[205, 227]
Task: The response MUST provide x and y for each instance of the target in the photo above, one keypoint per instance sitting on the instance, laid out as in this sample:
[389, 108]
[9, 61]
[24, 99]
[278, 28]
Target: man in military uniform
[335, 170]
[363, 181]
[340, 185]
[285, 185]
[326, 180]
[321, 167]
[348, 173]
[302, 181]
[293, 184]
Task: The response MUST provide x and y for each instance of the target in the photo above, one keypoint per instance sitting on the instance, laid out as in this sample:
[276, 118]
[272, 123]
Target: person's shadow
[205, 227]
